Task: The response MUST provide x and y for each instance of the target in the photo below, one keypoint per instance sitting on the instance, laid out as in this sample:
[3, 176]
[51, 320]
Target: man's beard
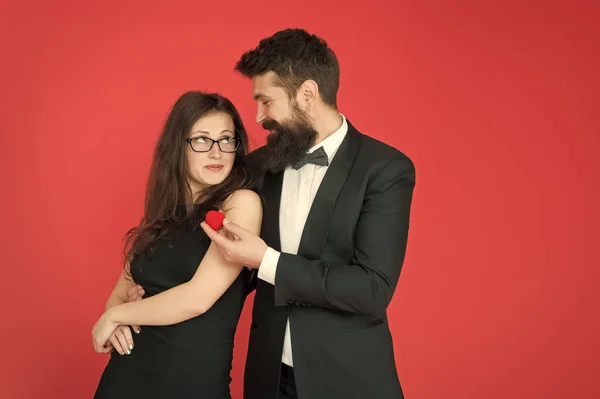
[289, 141]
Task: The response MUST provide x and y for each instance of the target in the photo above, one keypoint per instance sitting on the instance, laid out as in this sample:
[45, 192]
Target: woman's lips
[214, 168]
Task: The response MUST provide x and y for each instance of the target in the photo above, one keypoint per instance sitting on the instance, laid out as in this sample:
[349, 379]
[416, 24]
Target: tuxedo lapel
[317, 224]
[271, 193]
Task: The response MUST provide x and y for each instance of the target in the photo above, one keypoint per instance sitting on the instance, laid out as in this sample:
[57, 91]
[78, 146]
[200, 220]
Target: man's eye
[267, 102]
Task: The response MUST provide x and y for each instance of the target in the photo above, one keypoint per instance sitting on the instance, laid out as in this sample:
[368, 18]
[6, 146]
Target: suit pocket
[362, 326]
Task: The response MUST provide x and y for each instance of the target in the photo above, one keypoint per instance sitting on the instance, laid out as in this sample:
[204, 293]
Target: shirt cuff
[268, 266]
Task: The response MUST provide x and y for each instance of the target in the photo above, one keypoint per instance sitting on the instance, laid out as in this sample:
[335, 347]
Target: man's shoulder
[378, 152]
[254, 163]
[256, 159]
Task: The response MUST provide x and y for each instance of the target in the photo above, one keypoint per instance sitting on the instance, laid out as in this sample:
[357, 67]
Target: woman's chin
[213, 180]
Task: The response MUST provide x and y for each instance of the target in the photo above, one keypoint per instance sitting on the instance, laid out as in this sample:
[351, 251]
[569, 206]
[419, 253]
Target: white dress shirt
[297, 194]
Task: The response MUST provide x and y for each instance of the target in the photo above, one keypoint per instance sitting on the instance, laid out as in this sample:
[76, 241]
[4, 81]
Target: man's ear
[307, 94]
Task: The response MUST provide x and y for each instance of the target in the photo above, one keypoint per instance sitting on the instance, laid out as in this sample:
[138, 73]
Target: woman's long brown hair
[169, 199]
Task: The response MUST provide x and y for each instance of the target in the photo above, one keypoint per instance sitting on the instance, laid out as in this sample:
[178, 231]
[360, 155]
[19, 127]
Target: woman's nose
[215, 152]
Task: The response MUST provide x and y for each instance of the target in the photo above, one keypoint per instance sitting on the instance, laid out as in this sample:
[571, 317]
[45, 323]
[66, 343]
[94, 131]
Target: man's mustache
[271, 125]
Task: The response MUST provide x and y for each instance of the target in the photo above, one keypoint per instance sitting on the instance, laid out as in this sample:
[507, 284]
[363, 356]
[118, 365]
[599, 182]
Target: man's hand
[246, 249]
[135, 293]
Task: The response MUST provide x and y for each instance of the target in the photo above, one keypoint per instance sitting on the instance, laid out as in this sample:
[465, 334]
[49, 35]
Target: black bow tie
[318, 157]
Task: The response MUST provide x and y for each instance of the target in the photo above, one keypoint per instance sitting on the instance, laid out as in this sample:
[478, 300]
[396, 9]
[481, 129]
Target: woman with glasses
[192, 296]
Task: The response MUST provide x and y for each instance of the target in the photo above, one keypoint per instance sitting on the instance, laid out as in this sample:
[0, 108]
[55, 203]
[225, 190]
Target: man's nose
[260, 116]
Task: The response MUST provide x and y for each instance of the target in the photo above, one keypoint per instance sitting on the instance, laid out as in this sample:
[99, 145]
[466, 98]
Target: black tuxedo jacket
[335, 291]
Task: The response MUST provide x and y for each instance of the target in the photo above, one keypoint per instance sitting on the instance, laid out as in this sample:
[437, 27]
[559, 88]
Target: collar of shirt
[333, 142]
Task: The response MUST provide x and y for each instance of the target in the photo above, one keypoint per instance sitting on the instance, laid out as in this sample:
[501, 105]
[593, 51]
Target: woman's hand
[121, 340]
[135, 293]
[120, 337]
[102, 331]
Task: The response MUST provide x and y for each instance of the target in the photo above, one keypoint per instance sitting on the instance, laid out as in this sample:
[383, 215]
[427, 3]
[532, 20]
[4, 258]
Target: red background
[495, 101]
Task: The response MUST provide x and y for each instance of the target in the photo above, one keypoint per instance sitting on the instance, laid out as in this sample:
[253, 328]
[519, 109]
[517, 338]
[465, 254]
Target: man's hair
[295, 56]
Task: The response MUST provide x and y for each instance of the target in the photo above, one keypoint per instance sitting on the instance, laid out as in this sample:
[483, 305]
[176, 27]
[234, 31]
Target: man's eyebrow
[259, 96]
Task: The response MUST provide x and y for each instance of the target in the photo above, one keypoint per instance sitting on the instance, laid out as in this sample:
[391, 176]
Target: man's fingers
[234, 229]
[231, 236]
[227, 234]
[215, 237]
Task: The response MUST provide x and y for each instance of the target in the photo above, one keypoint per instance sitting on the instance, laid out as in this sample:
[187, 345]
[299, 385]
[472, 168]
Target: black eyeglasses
[205, 144]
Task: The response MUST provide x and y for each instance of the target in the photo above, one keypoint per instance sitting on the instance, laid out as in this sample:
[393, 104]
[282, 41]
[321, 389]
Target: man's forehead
[261, 84]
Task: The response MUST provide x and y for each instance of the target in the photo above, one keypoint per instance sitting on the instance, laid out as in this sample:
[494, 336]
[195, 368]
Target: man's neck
[326, 121]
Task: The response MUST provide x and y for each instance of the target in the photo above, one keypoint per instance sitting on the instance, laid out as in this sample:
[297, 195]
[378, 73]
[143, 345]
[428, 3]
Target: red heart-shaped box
[215, 219]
